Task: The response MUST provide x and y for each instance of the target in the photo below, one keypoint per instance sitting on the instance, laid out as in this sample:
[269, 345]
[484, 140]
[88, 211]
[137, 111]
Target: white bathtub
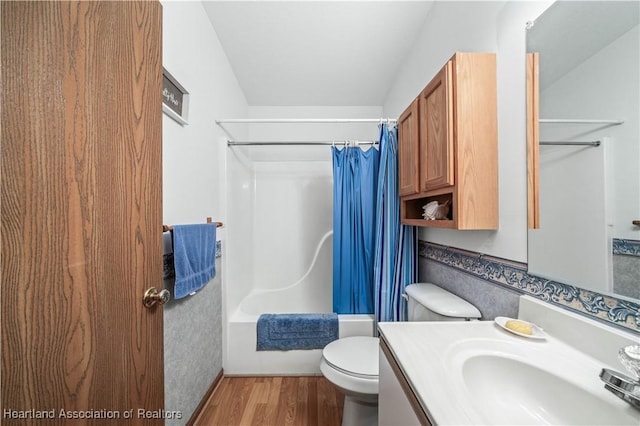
[242, 357]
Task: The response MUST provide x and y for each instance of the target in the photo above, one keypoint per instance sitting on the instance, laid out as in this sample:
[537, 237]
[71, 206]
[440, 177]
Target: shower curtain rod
[299, 143]
[588, 143]
[306, 120]
[579, 121]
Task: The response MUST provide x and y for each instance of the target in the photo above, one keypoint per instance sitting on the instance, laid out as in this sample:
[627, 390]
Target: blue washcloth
[194, 257]
[296, 331]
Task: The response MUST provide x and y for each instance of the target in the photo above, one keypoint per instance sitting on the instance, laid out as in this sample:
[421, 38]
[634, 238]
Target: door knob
[153, 296]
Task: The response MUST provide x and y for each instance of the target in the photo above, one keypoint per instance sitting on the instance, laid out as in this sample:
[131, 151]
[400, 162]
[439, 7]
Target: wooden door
[437, 132]
[408, 155]
[81, 210]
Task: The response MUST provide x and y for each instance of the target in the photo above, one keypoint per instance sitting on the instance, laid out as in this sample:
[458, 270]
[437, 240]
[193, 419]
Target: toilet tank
[428, 302]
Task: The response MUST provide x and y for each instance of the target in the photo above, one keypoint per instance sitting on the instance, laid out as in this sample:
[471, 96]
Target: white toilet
[351, 363]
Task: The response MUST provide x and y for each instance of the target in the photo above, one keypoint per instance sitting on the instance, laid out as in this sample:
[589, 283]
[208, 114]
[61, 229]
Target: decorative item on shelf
[435, 210]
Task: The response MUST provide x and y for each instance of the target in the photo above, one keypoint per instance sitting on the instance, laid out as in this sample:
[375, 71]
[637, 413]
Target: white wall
[194, 187]
[312, 131]
[194, 155]
[450, 27]
[481, 27]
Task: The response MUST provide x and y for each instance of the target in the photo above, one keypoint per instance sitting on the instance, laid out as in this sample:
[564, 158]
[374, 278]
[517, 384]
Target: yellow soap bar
[519, 326]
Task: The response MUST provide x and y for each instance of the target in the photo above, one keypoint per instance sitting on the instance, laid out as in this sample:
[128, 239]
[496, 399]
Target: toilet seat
[351, 363]
[355, 356]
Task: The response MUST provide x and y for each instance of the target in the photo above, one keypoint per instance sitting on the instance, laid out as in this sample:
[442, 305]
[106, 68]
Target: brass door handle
[153, 296]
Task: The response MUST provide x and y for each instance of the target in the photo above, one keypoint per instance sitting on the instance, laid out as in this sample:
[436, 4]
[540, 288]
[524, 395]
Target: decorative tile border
[626, 247]
[218, 249]
[513, 275]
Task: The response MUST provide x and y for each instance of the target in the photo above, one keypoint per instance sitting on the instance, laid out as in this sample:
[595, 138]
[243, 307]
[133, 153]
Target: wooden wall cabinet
[436, 131]
[448, 146]
[408, 150]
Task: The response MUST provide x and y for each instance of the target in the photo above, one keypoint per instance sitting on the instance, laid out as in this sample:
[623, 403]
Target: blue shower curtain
[355, 177]
[373, 255]
[396, 245]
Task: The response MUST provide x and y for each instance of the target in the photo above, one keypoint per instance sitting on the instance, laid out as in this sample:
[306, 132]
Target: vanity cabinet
[448, 147]
[397, 404]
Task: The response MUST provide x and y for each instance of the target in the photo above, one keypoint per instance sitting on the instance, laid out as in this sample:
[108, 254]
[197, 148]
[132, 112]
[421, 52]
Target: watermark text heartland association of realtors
[139, 413]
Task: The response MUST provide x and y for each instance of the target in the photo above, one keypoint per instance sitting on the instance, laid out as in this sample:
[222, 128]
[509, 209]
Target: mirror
[587, 91]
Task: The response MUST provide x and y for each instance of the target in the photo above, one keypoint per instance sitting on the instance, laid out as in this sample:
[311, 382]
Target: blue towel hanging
[194, 256]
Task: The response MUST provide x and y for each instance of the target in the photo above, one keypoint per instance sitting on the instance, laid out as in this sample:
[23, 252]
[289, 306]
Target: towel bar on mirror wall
[614, 122]
[585, 143]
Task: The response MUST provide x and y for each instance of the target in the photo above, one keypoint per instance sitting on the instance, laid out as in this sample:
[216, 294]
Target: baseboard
[274, 375]
[205, 398]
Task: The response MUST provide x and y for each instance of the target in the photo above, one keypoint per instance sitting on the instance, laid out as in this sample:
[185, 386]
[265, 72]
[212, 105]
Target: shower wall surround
[494, 284]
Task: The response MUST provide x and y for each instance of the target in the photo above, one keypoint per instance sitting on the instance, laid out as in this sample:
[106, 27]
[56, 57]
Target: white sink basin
[476, 373]
[516, 392]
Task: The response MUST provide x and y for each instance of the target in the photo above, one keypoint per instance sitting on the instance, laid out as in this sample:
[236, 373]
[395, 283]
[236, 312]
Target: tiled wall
[494, 284]
[192, 345]
[626, 267]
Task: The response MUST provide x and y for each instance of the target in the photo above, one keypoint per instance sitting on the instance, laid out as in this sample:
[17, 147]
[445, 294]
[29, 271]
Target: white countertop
[432, 356]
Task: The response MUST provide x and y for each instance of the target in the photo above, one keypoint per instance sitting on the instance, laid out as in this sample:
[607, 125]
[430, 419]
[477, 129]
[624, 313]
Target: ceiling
[316, 53]
[570, 32]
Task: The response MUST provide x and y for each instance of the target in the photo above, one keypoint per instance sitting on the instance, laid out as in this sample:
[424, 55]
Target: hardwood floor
[278, 401]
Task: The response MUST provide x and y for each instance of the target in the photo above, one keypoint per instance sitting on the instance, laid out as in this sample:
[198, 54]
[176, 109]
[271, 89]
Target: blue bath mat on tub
[284, 332]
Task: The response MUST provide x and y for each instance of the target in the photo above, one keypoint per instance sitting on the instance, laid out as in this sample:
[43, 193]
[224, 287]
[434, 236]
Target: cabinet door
[394, 408]
[436, 132]
[408, 155]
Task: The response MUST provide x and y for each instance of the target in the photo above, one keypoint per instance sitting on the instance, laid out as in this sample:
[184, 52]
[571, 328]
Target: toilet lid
[441, 302]
[357, 356]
